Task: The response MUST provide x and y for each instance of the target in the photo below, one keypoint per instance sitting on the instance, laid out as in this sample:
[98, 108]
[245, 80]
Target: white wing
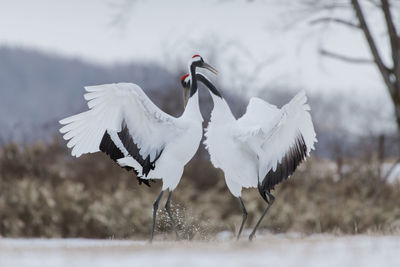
[119, 108]
[281, 138]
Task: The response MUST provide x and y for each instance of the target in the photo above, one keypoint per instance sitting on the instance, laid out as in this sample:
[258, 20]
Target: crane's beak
[209, 67]
[185, 96]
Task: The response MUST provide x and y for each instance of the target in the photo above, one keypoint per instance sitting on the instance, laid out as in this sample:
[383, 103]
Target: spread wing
[121, 121]
[281, 138]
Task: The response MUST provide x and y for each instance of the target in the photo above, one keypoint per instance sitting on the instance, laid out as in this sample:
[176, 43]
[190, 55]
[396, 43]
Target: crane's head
[198, 61]
[185, 81]
[195, 62]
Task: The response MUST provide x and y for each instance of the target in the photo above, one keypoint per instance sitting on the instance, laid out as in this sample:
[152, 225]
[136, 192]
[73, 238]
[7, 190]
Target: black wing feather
[109, 148]
[296, 154]
[134, 150]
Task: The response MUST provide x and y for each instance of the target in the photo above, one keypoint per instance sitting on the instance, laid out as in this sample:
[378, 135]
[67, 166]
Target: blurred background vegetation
[46, 193]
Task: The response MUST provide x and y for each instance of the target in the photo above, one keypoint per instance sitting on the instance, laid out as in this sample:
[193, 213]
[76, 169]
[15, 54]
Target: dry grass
[46, 193]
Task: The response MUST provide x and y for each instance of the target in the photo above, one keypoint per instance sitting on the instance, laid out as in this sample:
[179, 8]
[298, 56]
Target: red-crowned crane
[260, 149]
[126, 125]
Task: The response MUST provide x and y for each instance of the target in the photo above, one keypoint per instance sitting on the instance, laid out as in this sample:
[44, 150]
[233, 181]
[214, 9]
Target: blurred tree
[388, 66]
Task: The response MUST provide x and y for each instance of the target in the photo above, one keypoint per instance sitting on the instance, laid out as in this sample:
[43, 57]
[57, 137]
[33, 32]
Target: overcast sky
[242, 35]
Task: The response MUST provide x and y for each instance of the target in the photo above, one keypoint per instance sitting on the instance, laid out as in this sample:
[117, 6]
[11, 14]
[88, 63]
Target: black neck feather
[193, 84]
[207, 83]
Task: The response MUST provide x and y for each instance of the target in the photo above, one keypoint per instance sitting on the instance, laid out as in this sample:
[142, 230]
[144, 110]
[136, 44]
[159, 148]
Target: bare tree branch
[372, 45]
[375, 3]
[123, 10]
[325, 5]
[336, 20]
[394, 42]
[324, 52]
[390, 73]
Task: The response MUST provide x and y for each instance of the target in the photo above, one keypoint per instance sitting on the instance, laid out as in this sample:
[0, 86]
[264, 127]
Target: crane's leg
[271, 201]
[244, 217]
[167, 207]
[155, 208]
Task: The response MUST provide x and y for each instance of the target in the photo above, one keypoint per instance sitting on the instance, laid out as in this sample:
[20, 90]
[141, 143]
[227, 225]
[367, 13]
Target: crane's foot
[251, 237]
[155, 208]
[167, 207]
[270, 202]
[244, 218]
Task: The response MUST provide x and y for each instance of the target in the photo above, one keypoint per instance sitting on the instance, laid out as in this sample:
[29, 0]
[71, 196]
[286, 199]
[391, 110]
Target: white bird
[126, 125]
[260, 149]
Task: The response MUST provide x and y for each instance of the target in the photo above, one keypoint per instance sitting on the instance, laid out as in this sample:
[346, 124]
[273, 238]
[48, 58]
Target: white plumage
[125, 124]
[152, 130]
[261, 148]
[258, 141]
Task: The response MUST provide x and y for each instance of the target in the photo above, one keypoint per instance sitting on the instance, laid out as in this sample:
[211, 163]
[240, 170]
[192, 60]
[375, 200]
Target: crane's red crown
[184, 77]
[196, 56]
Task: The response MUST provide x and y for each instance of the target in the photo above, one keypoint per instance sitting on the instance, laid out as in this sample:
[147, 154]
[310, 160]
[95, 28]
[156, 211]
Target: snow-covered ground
[268, 250]
[391, 171]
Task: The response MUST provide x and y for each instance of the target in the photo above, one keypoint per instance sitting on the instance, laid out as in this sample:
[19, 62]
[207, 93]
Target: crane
[126, 125]
[260, 149]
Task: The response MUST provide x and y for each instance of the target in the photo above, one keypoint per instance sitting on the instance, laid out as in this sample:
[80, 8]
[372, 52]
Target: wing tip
[91, 88]
[64, 121]
[285, 167]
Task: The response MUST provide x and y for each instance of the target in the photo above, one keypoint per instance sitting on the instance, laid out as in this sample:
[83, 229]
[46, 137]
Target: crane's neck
[192, 109]
[221, 112]
[193, 78]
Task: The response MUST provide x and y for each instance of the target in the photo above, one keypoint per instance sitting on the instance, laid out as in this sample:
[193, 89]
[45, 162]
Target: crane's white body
[111, 106]
[246, 149]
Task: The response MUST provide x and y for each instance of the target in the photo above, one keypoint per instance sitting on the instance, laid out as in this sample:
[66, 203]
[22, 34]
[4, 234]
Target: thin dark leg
[167, 207]
[271, 201]
[155, 208]
[244, 217]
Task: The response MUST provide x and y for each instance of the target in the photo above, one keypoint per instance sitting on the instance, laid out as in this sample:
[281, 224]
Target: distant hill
[37, 89]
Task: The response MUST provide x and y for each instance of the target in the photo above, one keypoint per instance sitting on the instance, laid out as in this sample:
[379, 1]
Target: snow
[392, 172]
[268, 250]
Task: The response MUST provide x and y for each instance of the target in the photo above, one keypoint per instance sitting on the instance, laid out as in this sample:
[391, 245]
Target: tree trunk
[391, 76]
